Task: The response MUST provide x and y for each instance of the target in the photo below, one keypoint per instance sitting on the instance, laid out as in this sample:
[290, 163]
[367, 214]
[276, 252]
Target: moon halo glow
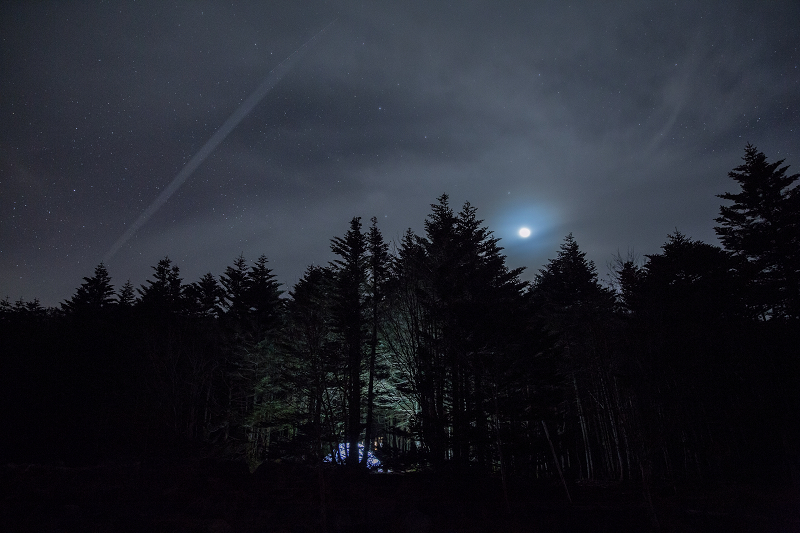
[524, 233]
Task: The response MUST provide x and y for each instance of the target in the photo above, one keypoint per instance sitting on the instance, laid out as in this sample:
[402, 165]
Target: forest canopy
[432, 354]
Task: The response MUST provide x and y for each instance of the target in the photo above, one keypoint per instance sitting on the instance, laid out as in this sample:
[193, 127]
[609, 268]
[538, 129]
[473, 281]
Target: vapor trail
[247, 106]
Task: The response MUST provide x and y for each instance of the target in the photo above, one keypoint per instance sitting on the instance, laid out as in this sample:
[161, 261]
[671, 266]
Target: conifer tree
[95, 293]
[405, 336]
[439, 292]
[686, 330]
[763, 226]
[569, 282]
[309, 339]
[455, 333]
[567, 296]
[235, 281]
[378, 269]
[126, 297]
[206, 296]
[350, 272]
[262, 295]
[164, 292]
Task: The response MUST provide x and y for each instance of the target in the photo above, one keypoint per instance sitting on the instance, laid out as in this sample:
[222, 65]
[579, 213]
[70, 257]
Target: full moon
[524, 233]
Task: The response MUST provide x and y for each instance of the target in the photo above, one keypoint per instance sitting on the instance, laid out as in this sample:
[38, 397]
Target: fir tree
[126, 297]
[164, 292]
[349, 307]
[377, 278]
[95, 293]
[235, 281]
[206, 296]
[263, 297]
[763, 226]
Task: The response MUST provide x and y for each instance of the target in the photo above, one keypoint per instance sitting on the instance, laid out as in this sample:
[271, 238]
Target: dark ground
[220, 497]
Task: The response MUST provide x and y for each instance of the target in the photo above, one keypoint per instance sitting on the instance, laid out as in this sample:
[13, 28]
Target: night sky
[617, 122]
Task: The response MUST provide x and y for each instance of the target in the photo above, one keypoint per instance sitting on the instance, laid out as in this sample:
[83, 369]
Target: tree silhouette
[235, 280]
[95, 294]
[440, 352]
[763, 226]
[452, 332]
[309, 342]
[127, 295]
[378, 270]
[262, 294]
[350, 272]
[205, 296]
[406, 333]
[574, 307]
[164, 292]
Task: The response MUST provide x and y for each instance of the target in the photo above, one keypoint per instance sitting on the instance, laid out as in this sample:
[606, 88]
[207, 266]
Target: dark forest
[674, 372]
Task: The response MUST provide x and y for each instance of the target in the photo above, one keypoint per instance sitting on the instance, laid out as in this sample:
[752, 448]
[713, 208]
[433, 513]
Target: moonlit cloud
[227, 127]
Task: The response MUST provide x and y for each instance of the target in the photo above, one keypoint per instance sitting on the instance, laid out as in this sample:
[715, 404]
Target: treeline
[432, 353]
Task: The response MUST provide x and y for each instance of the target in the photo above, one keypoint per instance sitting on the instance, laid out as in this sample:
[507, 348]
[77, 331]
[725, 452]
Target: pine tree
[569, 282]
[626, 277]
[377, 279]
[308, 339]
[206, 296]
[567, 296]
[126, 297]
[685, 334]
[439, 368]
[453, 331]
[263, 297]
[164, 292]
[349, 308]
[763, 226]
[95, 293]
[405, 334]
[694, 282]
[235, 281]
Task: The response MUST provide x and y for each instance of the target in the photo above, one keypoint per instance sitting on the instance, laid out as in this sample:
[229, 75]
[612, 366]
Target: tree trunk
[503, 472]
[584, 431]
[371, 387]
[556, 461]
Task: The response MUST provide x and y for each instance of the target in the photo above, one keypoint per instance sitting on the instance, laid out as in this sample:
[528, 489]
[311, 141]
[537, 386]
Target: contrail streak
[247, 106]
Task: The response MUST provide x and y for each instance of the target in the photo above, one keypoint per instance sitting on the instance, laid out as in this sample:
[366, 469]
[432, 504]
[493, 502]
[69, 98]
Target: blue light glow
[372, 461]
[510, 221]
